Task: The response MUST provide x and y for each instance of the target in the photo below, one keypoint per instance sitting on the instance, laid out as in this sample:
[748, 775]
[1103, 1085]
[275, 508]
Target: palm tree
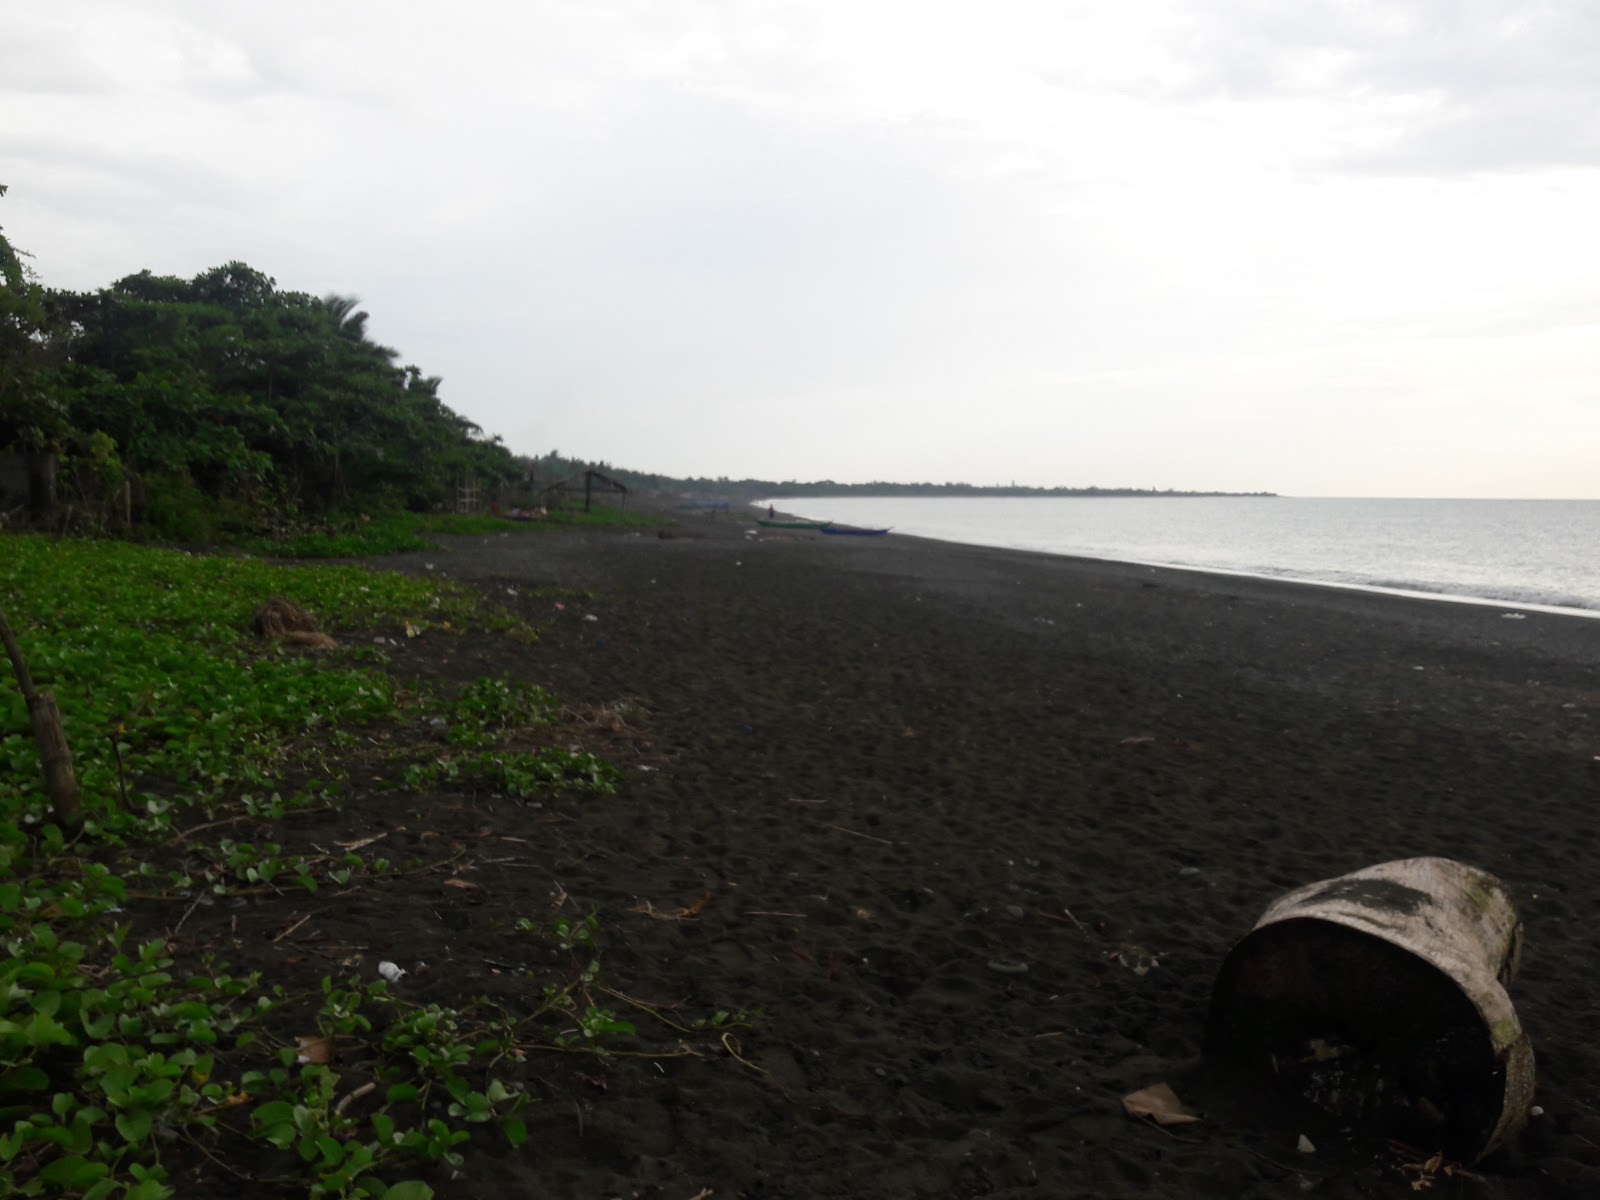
[342, 309]
[352, 323]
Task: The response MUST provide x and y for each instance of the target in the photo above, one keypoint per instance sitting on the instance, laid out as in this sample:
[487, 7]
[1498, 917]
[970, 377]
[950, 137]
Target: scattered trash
[560, 607]
[1160, 1103]
[1511, 616]
[412, 631]
[459, 883]
[590, 617]
[1379, 997]
[1536, 1111]
[390, 971]
[1305, 1146]
[1007, 967]
[1136, 958]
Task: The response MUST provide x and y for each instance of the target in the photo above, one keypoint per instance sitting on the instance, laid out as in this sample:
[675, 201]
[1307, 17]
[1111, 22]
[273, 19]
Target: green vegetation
[486, 715]
[201, 409]
[163, 698]
[399, 533]
[121, 1052]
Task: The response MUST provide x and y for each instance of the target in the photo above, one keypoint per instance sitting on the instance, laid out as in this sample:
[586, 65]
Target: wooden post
[55, 755]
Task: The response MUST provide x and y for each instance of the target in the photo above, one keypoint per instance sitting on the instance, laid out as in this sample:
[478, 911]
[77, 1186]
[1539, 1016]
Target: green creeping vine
[115, 1061]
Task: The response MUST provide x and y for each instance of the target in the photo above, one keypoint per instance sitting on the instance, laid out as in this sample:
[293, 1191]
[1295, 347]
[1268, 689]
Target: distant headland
[827, 487]
[555, 465]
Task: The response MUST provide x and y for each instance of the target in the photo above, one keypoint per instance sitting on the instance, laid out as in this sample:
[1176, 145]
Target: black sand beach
[931, 805]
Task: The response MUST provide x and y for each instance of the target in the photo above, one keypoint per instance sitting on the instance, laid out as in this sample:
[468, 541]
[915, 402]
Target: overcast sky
[1327, 247]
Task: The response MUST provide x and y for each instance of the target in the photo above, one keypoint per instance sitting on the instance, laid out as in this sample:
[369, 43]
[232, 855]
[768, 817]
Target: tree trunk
[55, 756]
[41, 485]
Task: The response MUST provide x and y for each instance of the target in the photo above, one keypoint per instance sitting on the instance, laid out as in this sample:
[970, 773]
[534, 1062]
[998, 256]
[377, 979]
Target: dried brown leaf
[1160, 1103]
[314, 1049]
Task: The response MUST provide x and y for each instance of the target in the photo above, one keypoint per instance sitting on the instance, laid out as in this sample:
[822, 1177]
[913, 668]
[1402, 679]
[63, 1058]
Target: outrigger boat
[790, 524]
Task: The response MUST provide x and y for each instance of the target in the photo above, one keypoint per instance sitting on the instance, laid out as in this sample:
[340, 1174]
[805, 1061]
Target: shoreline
[1520, 605]
[1554, 610]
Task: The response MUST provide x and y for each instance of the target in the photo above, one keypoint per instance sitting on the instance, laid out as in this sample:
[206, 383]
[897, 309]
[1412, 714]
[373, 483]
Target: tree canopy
[226, 388]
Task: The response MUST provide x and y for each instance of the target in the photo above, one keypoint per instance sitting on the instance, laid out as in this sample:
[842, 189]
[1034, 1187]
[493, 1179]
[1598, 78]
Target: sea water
[1539, 554]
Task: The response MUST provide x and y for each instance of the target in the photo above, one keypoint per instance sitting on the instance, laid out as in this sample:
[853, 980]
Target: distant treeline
[555, 465]
[827, 487]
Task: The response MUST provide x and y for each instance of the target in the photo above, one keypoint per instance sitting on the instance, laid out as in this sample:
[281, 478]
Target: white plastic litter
[390, 971]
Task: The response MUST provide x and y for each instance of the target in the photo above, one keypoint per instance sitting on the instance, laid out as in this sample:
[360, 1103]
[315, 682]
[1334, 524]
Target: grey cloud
[120, 170]
[40, 62]
[1496, 87]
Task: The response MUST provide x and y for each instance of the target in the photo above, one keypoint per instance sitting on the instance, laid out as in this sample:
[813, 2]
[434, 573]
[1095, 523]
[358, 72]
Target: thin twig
[122, 775]
[291, 929]
[213, 825]
[366, 1089]
[759, 912]
[868, 836]
[186, 912]
[728, 1044]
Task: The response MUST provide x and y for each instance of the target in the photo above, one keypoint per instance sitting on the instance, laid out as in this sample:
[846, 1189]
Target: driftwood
[286, 621]
[55, 755]
[279, 616]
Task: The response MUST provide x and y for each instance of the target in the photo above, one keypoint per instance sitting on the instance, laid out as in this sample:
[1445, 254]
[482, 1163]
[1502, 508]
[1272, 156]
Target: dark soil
[973, 831]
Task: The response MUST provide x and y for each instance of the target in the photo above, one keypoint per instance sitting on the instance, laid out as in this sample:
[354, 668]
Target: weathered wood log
[55, 755]
[1380, 997]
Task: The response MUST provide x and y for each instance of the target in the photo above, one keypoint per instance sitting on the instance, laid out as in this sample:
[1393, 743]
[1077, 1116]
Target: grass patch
[165, 697]
[402, 533]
